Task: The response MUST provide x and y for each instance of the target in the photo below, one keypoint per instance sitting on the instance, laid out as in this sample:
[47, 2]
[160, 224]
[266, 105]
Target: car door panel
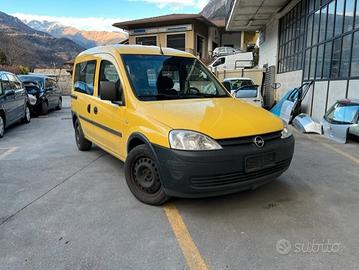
[9, 102]
[109, 116]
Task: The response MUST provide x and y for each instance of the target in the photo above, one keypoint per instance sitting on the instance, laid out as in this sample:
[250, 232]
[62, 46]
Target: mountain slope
[214, 10]
[86, 39]
[26, 46]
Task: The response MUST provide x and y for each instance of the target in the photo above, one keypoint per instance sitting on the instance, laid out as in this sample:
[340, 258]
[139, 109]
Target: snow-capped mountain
[86, 39]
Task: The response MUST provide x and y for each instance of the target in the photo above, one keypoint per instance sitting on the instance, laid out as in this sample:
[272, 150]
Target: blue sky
[97, 15]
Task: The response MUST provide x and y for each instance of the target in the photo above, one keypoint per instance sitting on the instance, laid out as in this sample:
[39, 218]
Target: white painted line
[8, 152]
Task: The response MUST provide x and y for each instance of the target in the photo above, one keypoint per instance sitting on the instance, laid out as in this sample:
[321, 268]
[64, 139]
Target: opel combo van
[178, 130]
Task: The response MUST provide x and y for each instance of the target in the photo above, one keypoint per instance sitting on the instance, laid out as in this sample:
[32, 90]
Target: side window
[220, 61]
[14, 82]
[85, 77]
[108, 73]
[5, 82]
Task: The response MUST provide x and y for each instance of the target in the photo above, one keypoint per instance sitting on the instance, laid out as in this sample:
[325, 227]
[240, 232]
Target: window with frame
[108, 73]
[85, 77]
[177, 41]
[332, 40]
[291, 39]
[147, 41]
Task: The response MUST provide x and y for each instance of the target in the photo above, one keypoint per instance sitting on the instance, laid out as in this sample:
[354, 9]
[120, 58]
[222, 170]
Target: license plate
[258, 162]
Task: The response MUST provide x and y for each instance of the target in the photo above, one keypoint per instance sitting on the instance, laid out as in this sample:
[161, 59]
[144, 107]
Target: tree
[3, 58]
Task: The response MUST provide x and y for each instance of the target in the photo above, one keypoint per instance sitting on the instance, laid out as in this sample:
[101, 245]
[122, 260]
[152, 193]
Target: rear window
[342, 113]
[84, 77]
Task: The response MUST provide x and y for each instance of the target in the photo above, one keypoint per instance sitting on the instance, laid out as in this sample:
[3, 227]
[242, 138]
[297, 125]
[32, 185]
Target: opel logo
[258, 141]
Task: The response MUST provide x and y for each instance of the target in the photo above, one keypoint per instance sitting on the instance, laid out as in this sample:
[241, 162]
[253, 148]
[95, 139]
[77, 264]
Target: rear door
[9, 103]
[82, 95]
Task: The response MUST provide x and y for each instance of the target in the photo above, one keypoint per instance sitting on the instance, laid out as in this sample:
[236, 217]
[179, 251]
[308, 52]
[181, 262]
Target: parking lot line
[190, 251]
[8, 152]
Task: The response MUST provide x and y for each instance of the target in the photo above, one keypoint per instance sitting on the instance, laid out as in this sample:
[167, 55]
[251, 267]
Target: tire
[44, 108]
[2, 126]
[59, 104]
[27, 117]
[82, 143]
[143, 176]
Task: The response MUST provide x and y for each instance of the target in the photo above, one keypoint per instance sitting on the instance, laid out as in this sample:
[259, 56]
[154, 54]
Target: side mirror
[276, 85]
[109, 91]
[9, 93]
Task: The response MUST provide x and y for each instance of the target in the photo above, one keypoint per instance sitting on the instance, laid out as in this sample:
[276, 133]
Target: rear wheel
[44, 108]
[2, 126]
[59, 104]
[27, 117]
[82, 143]
[143, 176]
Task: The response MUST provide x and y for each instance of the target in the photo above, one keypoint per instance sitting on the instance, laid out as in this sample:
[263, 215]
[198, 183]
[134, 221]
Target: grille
[248, 140]
[223, 180]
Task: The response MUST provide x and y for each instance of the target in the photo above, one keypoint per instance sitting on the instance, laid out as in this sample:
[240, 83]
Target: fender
[143, 138]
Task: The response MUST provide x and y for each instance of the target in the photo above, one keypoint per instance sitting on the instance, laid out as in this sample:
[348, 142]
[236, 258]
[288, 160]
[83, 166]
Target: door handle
[95, 110]
[89, 108]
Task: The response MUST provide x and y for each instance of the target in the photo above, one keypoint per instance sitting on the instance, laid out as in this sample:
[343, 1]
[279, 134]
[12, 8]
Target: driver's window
[108, 73]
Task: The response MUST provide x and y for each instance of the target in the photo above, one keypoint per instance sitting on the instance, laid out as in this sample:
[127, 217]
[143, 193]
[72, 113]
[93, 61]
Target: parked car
[342, 120]
[45, 90]
[223, 51]
[245, 89]
[177, 129]
[232, 62]
[14, 105]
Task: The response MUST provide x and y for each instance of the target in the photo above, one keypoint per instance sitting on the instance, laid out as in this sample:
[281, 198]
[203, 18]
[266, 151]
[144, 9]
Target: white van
[232, 62]
[244, 89]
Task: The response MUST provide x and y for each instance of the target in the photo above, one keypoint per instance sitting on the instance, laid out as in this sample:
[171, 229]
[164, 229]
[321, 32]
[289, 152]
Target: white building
[304, 40]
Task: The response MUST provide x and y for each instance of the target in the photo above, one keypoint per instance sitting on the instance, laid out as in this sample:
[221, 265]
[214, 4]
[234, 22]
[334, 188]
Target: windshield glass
[247, 92]
[39, 80]
[343, 113]
[236, 84]
[159, 77]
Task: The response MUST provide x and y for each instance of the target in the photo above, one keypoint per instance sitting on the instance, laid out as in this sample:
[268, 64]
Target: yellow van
[178, 130]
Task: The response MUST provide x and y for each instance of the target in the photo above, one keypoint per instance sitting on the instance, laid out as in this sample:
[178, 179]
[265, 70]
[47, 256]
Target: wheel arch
[137, 139]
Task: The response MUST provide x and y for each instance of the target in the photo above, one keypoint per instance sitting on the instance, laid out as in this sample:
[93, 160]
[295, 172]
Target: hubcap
[146, 175]
[77, 135]
[2, 128]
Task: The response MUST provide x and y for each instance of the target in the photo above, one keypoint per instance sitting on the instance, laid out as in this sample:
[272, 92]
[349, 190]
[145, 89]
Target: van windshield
[159, 77]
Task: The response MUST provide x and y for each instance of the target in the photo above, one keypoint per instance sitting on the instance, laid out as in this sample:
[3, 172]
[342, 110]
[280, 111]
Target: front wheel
[82, 143]
[44, 108]
[27, 115]
[143, 176]
[2, 126]
[59, 104]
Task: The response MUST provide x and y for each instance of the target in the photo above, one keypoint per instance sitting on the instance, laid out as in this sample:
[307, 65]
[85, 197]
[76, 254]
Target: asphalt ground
[65, 209]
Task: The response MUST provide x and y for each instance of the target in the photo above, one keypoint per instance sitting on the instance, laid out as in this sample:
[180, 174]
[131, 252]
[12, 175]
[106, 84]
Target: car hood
[218, 118]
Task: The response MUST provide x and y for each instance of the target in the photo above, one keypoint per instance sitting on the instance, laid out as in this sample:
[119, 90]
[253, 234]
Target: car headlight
[191, 141]
[286, 132]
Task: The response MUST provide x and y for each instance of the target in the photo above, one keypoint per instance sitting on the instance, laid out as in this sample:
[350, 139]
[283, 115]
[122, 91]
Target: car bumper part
[240, 165]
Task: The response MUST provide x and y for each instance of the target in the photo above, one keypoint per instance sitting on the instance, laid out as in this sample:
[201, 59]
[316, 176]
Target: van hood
[219, 118]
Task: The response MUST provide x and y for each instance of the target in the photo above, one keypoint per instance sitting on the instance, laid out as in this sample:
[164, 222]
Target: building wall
[232, 38]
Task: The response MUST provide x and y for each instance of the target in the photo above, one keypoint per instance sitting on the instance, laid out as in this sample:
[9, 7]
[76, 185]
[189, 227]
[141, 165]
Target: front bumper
[192, 174]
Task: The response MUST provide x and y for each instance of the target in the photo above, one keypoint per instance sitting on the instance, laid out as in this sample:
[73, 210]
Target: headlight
[286, 132]
[192, 141]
